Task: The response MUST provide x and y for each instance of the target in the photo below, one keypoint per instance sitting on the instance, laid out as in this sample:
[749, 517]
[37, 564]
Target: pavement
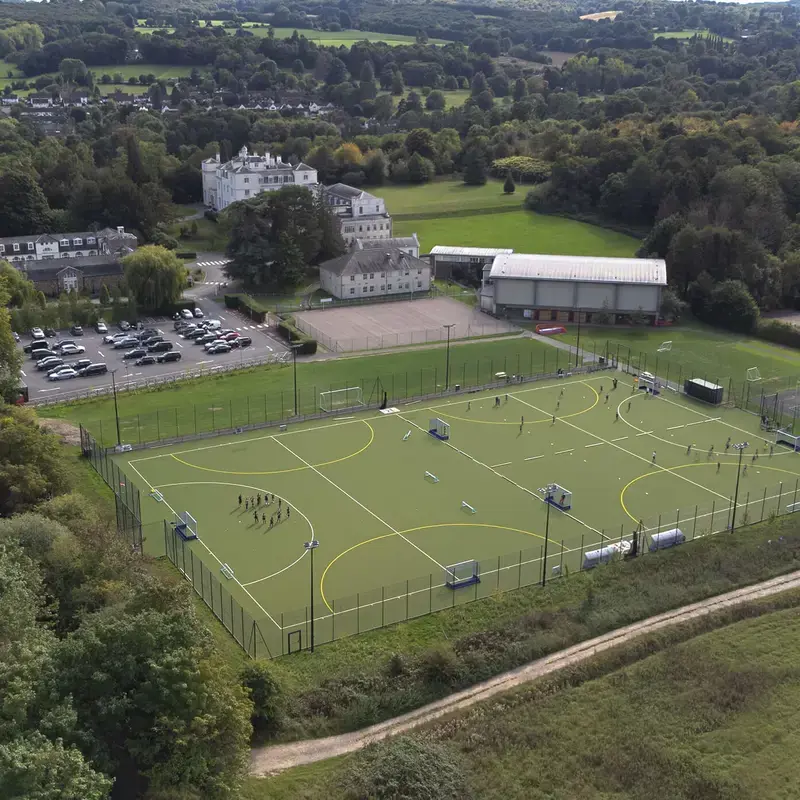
[265, 343]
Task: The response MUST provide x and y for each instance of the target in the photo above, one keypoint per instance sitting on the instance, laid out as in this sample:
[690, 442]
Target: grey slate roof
[347, 192]
[357, 262]
[86, 265]
[383, 244]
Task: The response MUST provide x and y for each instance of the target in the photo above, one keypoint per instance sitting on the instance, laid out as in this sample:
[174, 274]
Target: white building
[463, 263]
[362, 215]
[558, 288]
[248, 175]
[408, 244]
[46, 246]
[374, 273]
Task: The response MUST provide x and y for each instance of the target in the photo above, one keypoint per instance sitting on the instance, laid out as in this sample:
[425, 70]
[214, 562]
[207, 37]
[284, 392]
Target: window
[352, 277]
[383, 287]
[2, 248]
[65, 255]
[247, 193]
[93, 252]
[419, 284]
[16, 247]
[383, 274]
[377, 208]
[372, 288]
[247, 180]
[364, 276]
[64, 242]
[419, 272]
[77, 242]
[361, 210]
[371, 275]
[91, 240]
[305, 177]
[406, 273]
[30, 246]
[389, 287]
[360, 228]
[352, 291]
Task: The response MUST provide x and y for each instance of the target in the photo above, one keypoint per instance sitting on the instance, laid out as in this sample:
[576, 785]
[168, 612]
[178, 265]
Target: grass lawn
[717, 711]
[698, 349]
[445, 196]
[161, 71]
[454, 98]
[524, 231]
[688, 35]
[388, 532]
[209, 237]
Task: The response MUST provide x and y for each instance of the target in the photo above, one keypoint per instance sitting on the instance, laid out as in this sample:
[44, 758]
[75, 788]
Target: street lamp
[295, 347]
[116, 408]
[741, 448]
[312, 546]
[447, 367]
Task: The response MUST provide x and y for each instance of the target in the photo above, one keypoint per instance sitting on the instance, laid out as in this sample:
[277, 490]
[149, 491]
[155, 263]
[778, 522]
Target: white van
[213, 324]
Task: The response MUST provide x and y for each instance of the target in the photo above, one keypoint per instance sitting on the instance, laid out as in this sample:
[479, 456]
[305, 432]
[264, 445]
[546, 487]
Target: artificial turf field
[386, 532]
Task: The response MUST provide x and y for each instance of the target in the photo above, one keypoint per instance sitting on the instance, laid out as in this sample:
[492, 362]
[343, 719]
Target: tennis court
[394, 508]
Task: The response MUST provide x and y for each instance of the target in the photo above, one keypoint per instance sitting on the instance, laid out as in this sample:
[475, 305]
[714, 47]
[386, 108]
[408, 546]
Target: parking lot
[193, 357]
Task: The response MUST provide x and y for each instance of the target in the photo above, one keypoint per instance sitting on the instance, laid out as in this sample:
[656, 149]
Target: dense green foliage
[155, 276]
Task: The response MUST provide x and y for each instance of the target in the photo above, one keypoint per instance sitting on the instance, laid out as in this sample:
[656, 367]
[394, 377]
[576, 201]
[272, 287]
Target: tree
[732, 306]
[155, 276]
[509, 187]
[672, 307]
[474, 168]
[421, 141]
[479, 84]
[23, 206]
[435, 101]
[30, 464]
[398, 87]
[249, 246]
[420, 170]
[375, 167]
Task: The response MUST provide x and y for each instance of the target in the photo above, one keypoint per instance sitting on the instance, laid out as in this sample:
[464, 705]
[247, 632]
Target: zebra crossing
[220, 263]
[215, 283]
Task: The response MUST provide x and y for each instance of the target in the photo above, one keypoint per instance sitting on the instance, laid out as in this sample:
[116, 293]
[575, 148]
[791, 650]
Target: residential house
[247, 175]
[408, 244]
[374, 273]
[361, 214]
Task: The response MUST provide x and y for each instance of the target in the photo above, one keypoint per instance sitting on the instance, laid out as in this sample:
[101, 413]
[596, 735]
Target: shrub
[440, 665]
[779, 332]
[405, 768]
[265, 694]
[528, 170]
[288, 330]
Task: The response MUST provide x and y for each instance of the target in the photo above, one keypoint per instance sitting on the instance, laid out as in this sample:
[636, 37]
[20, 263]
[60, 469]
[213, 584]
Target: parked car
[186, 314]
[36, 344]
[221, 347]
[177, 316]
[151, 340]
[128, 341]
[48, 363]
[57, 345]
[110, 338]
[100, 326]
[76, 330]
[15, 335]
[146, 332]
[208, 345]
[206, 338]
[38, 355]
[145, 361]
[213, 324]
[160, 347]
[37, 333]
[62, 374]
[93, 369]
[227, 337]
[79, 364]
[173, 355]
[138, 352]
[123, 325]
[242, 341]
[198, 312]
[72, 349]
[195, 334]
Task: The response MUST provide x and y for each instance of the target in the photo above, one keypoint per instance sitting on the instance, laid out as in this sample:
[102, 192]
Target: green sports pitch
[393, 507]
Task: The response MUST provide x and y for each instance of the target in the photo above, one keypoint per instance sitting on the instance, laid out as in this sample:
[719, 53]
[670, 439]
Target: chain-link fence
[126, 494]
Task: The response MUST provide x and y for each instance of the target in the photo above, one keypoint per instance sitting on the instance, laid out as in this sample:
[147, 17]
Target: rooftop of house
[357, 262]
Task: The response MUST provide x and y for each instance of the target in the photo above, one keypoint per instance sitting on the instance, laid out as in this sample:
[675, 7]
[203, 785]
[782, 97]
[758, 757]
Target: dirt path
[274, 759]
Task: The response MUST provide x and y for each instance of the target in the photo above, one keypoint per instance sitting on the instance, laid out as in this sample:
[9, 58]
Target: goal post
[464, 573]
[337, 399]
[753, 374]
[185, 526]
[665, 347]
[439, 429]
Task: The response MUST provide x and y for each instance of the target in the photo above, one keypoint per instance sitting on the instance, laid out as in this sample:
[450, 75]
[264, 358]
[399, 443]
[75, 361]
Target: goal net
[341, 398]
[784, 437]
[464, 573]
[439, 429]
[753, 374]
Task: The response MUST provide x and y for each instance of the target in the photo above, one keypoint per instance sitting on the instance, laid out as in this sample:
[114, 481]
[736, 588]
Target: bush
[288, 330]
[265, 694]
[528, 170]
[440, 666]
[405, 768]
[779, 332]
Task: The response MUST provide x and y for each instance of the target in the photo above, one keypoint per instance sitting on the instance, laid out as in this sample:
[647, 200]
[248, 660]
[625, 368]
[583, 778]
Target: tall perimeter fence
[267, 633]
[126, 494]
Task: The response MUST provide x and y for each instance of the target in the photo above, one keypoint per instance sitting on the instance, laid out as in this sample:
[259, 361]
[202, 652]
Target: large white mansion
[361, 214]
[247, 175]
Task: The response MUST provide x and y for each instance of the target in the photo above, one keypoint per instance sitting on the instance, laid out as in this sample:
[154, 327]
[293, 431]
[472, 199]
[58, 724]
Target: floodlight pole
[312, 546]
[546, 538]
[578, 345]
[116, 408]
[741, 448]
[294, 364]
[447, 366]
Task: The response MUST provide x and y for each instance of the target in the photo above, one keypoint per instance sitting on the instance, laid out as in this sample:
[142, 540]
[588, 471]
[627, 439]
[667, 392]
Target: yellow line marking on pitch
[289, 469]
[684, 466]
[414, 530]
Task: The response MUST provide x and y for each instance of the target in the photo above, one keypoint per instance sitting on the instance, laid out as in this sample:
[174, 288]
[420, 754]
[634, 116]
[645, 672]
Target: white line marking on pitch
[504, 464]
[561, 452]
[348, 495]
[533, 458]
[620, 439]
[675, 427]
[596, 444]
[697, 422]
[644, 433]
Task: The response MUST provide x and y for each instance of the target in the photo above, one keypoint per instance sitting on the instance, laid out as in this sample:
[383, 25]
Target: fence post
[763, 504]
[498, 578]
[519, 571]
[711, 526]
[406, 598]
[694, 527]
[780, 493]
[580, 563]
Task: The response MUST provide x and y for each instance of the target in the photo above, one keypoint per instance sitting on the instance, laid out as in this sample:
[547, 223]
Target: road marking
[49, 390]
[102, 354]
[179, 345]
[222, 318]
[269, 348]
[205, 362]
[22, 372]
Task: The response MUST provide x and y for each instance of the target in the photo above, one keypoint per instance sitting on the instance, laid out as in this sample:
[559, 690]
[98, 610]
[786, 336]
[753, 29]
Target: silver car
[62, 374]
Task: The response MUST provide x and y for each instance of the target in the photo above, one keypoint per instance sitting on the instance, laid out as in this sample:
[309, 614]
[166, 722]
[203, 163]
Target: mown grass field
[453, 99]
[715, 715]
[446, 196]
[325, 38]
[161, 71]
[688, 34]
[698, 349]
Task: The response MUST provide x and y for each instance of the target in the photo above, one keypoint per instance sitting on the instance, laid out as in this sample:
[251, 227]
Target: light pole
[578, 345]
[312, 546]
[546, 536]
[447, 366]
[116, 408]
[294, 363]
[741, 448]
